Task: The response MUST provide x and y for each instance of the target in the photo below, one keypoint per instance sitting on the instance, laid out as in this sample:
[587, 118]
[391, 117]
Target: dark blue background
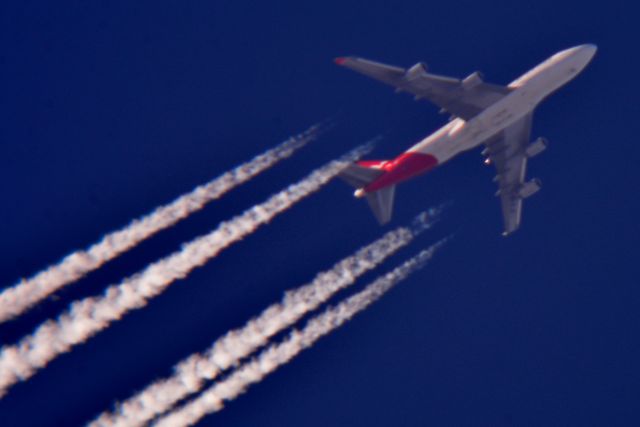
[109, 109]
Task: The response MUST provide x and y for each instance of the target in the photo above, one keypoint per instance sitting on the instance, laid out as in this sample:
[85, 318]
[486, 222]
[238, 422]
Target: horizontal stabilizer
[381, 203]
[360, 176]
[372, 163]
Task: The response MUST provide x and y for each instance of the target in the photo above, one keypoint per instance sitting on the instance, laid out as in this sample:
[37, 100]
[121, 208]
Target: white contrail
[276, 355]
[191, 374]
[23, 295]
[87, 317]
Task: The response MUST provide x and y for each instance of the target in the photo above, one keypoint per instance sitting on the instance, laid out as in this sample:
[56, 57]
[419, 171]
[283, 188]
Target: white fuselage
[528, 90]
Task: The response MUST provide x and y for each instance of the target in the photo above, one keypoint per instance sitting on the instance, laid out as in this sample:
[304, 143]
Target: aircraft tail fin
[361, 174]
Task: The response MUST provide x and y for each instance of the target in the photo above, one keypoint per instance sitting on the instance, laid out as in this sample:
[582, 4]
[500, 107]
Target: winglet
[340, 60]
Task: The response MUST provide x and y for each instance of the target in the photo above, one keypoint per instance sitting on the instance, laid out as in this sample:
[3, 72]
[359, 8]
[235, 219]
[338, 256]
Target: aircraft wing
[462, 98]
[507, 152]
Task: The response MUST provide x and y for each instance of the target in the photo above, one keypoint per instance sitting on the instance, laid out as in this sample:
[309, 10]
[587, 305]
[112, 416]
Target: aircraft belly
[459, 136]
[493, 120]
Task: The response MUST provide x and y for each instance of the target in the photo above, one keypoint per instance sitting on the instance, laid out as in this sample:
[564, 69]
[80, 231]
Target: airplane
[481, 113]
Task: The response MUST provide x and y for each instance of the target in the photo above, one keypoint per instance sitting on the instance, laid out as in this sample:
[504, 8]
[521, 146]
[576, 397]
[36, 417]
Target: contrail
[87, 317]
[276, 355]
[191, 374]
[23, 295]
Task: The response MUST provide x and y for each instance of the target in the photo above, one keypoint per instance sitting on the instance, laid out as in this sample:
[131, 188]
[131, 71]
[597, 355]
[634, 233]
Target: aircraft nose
[585, 52]
[588, 50]
[578, 56]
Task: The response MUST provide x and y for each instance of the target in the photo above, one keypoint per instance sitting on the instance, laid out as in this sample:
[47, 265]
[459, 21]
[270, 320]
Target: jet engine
[536, 147]
[529, 188]
[416, 70]
[472, 80]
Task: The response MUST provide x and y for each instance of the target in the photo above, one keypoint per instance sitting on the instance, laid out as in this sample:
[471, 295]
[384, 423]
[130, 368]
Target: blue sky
[113, 108]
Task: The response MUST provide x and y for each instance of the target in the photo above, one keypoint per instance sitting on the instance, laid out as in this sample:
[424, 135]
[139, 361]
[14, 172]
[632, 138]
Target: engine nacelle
[536, 147]
[529, 188]
[472, 80]
[417, 70]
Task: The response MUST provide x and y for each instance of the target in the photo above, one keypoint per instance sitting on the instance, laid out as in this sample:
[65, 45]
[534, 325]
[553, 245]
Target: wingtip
[340, 60]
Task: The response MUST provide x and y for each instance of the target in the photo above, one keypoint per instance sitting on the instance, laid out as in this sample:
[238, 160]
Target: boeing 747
[498, 117]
